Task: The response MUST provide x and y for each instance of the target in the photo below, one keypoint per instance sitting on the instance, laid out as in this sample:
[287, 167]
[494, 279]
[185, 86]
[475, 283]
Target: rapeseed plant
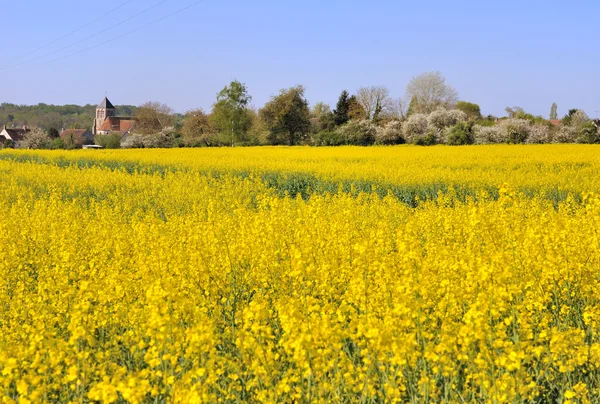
[174, 285]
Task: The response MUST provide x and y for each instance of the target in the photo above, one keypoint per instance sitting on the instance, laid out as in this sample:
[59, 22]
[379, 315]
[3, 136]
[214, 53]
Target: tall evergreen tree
[413, 107]
[340, 113]
[554, 111]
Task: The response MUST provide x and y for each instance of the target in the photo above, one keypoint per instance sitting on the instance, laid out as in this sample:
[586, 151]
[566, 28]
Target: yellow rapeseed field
[200, 276]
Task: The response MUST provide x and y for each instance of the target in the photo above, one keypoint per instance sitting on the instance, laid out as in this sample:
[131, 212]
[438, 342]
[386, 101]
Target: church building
[107, 120]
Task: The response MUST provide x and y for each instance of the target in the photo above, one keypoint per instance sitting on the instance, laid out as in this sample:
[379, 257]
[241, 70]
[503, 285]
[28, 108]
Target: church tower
[104, 110]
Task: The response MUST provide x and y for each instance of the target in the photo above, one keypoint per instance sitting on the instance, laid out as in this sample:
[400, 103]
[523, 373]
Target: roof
[16, 134]
[106, 104]
[555, 122]
[74, 132]
[117, 124]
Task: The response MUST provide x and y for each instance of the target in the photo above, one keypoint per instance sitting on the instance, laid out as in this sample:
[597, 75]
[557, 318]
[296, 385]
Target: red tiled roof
[555, 122]
[117, 124]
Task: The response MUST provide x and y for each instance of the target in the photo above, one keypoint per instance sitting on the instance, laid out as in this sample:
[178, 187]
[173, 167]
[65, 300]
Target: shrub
[6, 144]
[134, 141]
[486, 134]
[515, 130]
[432, 136]
[328, 138]
[36, 139]
[58, 143]
[588, 133]
[391, 133]
[566, 134]
[444, 118]
[110, 141]
[414, 128]
[159, 140]
[360, 133]
[578, 118]
[540, 134]
[460, 134]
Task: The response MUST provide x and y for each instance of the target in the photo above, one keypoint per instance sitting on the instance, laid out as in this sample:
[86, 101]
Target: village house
[79, 137]
[107, 121]
[13, 135]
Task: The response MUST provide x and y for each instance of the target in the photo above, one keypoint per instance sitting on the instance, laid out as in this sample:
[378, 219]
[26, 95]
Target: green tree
[52, 133]
[230, 113]
[287, 117]
[342, 109]
[58, 143]
[355, 110]
[554, 111]
[153, 116]
[460, 134]
[472, 110]
[197, 129]
[588, 133]
[413, 106]
[110, 141]
[319, 109]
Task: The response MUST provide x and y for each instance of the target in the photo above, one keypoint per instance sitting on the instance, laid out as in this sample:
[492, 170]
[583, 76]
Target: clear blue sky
[497, 54]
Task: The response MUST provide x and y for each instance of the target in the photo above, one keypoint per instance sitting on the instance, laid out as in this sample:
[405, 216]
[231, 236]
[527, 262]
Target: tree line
[429, 113]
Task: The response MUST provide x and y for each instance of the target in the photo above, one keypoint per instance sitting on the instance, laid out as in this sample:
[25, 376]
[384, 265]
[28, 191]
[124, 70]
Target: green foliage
[554, 111]
[460, 134]
[325, 122]
[487, 121]
[52, 133]
[472, 110]
[342, 109]
[515, 133]
[588, 133]
[153, 116]
[319, 110]
[287, 117]
[355, 110]
[430, 138]
[413, 106]
[230, 115]
[197, 130]
[519, 113]
[358, 133]
[70, 142]
[57, 144]
[48, 116]
[569, 116]
[110, 141]
[329, 138]
[6, 143]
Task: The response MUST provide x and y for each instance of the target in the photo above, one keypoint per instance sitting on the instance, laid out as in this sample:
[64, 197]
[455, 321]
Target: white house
[13, 135]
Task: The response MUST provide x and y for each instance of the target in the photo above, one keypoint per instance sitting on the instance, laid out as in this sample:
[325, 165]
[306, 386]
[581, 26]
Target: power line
[124, 34]
[89, 37]
[75, 30]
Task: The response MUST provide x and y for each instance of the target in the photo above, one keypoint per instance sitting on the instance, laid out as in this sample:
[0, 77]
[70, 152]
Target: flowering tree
[430, 91]
[36, 138]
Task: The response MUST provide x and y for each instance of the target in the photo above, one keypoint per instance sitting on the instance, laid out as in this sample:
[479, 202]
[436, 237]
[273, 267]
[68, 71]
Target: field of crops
[399, 274]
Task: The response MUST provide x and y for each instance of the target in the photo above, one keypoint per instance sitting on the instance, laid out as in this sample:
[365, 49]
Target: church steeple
[106, 104]
[104, 110]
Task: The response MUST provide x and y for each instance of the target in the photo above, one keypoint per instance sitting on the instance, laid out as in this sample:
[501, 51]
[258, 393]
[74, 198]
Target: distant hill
[54, 116]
